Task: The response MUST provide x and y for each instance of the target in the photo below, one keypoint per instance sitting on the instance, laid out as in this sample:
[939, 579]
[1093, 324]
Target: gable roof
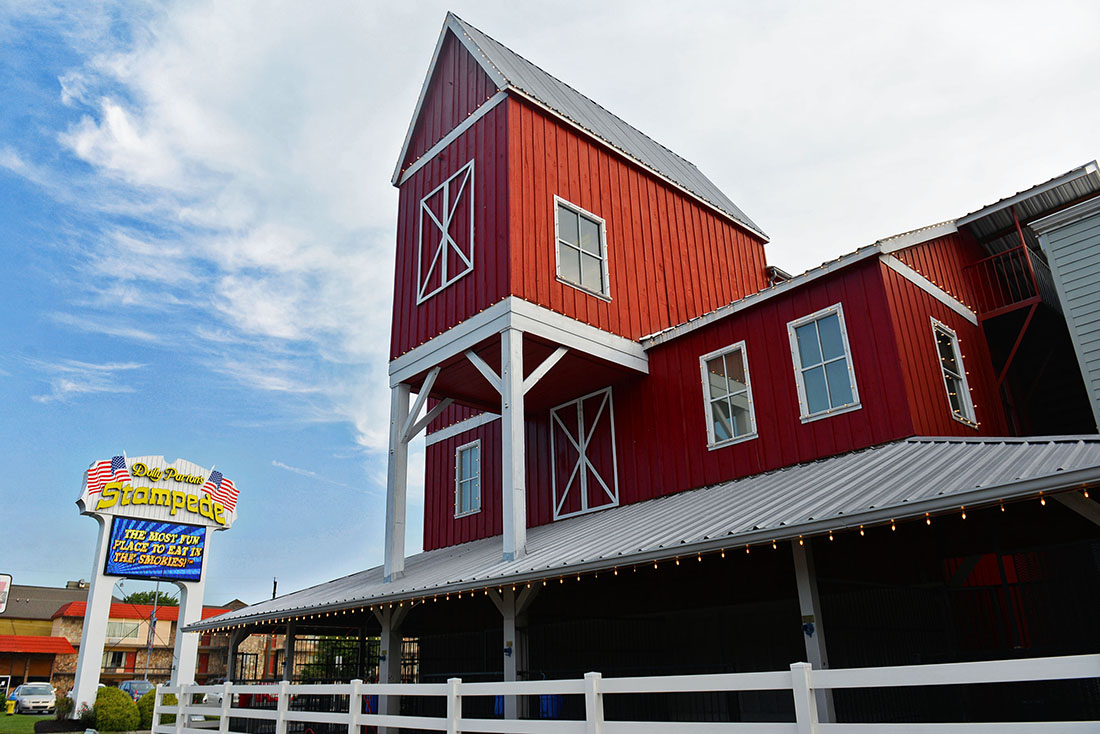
[36, 644]
[515, 74]
[39, 602]
[123, 610]
[908, 479]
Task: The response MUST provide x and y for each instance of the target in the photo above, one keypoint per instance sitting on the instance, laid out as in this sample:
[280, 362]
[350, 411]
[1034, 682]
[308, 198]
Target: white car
[33, 698]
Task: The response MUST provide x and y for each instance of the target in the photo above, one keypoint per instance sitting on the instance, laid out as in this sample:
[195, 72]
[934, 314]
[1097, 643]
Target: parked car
[136, 688]
[33, 698]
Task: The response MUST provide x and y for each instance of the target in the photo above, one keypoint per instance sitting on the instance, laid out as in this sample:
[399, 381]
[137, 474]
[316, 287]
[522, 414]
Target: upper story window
[468, 479]
[954, 374]
[728, 396]
[823, 364]
[445, 246]
[581, 249]
[122, 630]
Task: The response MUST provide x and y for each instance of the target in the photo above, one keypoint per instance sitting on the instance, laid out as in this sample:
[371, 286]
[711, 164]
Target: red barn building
[648, 451]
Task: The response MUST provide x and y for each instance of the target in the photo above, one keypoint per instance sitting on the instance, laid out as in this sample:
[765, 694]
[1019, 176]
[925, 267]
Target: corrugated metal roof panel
[899, 480]
[529, 79]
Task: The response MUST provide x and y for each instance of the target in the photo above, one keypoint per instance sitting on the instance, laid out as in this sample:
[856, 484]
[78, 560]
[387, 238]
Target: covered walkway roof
[896, 481]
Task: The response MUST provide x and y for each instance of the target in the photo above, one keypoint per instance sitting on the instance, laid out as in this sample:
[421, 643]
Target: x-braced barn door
[584, 470]
[446, 244]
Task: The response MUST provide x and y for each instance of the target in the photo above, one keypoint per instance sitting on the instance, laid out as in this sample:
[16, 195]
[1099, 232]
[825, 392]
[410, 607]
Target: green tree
[147, 597]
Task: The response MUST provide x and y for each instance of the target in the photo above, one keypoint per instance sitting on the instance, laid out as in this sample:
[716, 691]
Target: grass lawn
[20, 723]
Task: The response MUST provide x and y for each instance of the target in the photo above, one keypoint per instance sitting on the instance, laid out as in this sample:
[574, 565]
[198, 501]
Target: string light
[963, 508]
[927, 519]
[774, 546]
[1042, 500]
[893, 526]
[801, 541]
[677, 560]
[746, 549]
[861, 533]
[1086, 493]
[830, 535]
[699, 558]
[723, 553]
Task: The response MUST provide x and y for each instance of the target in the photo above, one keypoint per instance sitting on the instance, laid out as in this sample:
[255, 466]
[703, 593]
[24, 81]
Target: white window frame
[580, 444]
[970, 417]
[476, 443]
[446, 243]
[707, 400]
[129, 629]
[604, 295]
[796, 361]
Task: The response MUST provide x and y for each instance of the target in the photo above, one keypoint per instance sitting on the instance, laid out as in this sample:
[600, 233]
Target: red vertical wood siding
[441, 527]
[669, 258]
[458, 87]
[942, 261]
[911, 311]
[486, 144]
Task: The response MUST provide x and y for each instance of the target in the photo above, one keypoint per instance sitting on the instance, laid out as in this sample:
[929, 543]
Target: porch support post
[397, 483]
[236, 637]
[389, 659]
[513, 609]
[513, 474]
[813, 631]
[288, 651]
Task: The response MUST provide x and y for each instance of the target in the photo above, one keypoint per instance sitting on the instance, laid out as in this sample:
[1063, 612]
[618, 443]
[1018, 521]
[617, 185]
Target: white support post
[282, 707]
[355, 706]
[227, 703]
[514, 469]
[508, 611]
[813, 632]
[186, 653]
[94, 635]
[805, 705]
[593, 704]
[389, 659]
[454, 705]
[397, 484]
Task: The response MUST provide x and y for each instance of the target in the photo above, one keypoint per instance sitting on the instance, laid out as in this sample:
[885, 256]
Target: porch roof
[895, 481]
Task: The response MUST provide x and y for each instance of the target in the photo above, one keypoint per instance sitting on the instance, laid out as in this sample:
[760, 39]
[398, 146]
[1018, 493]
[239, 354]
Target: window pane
[808, 350]
[840, 385]
[591, 273]
[716, 378]
[817, 398]
[832, 344]
[570, 264]
[590, 236]
[475, 494]
[735, 365]
[954, 395]
[742, 423]
[722, 420]
[567, 226]
[947, 352]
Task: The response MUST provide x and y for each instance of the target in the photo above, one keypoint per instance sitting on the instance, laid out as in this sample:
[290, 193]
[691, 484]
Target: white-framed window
[468, 479]
[445, 244]
[581, 248]
[114, 659]
[954, 374]
[122, 630]
[584, 470]
[727, 395]
[823, 364]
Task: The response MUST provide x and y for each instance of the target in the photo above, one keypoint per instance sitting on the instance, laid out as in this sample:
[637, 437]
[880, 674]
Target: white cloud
[70, 379]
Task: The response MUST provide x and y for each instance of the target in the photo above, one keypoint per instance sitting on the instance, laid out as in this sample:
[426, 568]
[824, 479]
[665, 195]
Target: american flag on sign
[105, 471]
[221, 489]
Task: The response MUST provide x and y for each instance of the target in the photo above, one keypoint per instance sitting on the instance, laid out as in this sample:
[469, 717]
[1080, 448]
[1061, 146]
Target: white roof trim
[917, 236]
[1076, 173]
[930, 288]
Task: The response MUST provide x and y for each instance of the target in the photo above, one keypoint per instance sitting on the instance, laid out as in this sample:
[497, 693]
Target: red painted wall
[911, 309]
[942, 261]
[670, 259]
[457, 88]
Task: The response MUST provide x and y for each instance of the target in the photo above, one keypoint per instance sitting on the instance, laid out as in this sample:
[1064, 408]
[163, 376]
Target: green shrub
[145, 708]
[115, 711]
[63, 706]
[86, 716]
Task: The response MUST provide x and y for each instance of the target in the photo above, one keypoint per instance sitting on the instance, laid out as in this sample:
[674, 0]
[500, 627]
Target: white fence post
[355, 705]
[156, 708]
[283, 707]
[805, 702]
[227, 703]
[593, 704]
[454, 705]
[181, 700]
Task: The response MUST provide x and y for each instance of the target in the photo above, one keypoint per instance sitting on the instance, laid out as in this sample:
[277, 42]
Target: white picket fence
[801, 680]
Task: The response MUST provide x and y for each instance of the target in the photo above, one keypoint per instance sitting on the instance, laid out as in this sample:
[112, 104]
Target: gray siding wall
[1074, 253]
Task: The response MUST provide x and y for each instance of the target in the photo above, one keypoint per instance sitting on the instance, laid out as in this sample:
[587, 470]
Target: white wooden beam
[1082, 505]
[396, 484]
[421, 399]
[542, 369]
[812, 630]
[434, 413]
[513, 459]
[511, 649]
[484, 369]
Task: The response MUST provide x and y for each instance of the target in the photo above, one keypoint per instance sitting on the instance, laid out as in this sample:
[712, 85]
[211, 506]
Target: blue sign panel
[150, 549]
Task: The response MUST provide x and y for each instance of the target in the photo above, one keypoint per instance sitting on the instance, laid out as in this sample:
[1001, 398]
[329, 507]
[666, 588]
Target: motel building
[652, 453]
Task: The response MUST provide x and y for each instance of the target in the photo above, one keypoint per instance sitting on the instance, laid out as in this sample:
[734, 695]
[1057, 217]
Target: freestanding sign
[5, 587]
[155, 522]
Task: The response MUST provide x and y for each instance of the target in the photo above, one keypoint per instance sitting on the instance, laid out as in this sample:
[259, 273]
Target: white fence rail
[801, 680]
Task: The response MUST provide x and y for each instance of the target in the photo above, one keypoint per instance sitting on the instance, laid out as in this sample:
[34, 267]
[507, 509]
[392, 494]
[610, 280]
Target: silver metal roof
[521, 75]
[900, 480]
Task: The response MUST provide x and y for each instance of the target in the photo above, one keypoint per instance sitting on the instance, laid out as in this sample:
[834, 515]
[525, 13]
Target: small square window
[728, 396]
[954, 374]
[581, 249]
[822, 364]
[468, 479]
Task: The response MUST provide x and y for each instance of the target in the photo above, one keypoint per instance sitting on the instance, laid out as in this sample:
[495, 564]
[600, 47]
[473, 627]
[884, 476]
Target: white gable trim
[450, 24]
[930, 288]
[451, 136]
[462, 426]
[917, 236]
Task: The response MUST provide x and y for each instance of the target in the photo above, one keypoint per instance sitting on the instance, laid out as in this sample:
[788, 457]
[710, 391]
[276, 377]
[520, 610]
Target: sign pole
[93, 637]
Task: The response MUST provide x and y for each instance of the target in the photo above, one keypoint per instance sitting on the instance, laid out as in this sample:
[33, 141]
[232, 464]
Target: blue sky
[198, 224]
